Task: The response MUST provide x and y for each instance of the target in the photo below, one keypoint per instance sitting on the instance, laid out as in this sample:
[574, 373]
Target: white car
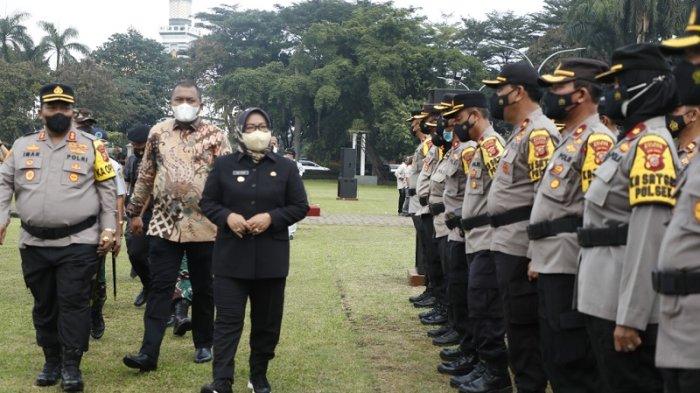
[312, 166]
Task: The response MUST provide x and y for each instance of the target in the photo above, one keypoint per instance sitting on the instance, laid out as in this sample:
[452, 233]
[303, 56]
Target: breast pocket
[29, 171]
[600, 186]
[475, 184]
[505, 166]
[74, 174]
[438, 176]
[558, 181]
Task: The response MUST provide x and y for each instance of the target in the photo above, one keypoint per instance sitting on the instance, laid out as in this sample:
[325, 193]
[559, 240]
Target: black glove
[436, 208]
[423, 200]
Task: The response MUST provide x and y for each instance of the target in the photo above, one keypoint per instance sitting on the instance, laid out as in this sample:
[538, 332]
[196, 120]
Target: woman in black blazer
[252, 195]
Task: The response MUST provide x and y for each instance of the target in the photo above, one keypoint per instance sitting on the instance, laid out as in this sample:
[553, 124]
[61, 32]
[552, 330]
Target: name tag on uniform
[241, 173]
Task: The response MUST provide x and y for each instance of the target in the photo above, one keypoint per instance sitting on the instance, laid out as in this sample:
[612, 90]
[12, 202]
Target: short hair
[534, 92]
[188, 84]
[594, 89]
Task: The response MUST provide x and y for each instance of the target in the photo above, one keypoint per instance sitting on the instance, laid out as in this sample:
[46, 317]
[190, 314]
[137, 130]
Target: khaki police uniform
[414, 205]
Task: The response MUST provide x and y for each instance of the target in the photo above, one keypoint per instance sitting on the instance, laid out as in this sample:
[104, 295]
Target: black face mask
[424, 128]
[555, 105]
[138, 153]
[462, 130]
[498, 103]
[441, 124]
[675, 124]
[58, 123]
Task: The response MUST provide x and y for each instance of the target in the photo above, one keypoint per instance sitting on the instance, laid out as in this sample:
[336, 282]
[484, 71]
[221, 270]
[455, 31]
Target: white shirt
[119, 179]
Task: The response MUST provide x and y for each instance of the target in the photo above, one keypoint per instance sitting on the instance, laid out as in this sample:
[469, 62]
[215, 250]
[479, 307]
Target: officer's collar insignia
[634, 132]
[524, 124]
[580, 130]
[42, 136]
[72, 137]
[32, 148]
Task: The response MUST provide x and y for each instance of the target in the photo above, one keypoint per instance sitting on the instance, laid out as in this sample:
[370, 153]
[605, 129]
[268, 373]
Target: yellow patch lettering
[103, 168]
[653, 173]
[491, 152]
[597, 147]
[540, 149]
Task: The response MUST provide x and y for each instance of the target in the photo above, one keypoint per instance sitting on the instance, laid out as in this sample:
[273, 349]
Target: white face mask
[185, 113]
[257, 140]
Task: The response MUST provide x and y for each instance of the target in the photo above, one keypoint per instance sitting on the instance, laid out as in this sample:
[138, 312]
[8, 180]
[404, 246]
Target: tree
[61, 43]
[19, 89]
[13, 35]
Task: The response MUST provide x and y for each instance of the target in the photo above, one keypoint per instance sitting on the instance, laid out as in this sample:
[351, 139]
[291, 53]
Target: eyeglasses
[255, 127]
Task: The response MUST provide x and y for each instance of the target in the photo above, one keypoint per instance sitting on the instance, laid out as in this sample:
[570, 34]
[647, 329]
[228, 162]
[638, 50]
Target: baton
[114, 275]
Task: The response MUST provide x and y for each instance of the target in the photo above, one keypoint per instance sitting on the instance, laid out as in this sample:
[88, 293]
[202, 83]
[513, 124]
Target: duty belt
[411, 192]
[436, 208]
[475, 222]
[510, 216]
[566, 224]
[676, 282]
[603, 237]
[59, 233]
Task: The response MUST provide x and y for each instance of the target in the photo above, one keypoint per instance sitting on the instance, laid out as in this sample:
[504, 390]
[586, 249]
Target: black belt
[567, 224]
[452, 222]
[59, 233]
[423, 201]
[411, 192]
[475, 222]
[511, 216]
[603, 237]
[436, 208]
[677, 282]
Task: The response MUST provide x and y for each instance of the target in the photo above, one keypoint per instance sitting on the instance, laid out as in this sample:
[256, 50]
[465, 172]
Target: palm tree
[13, 35]
[60, 43]
[35, 54]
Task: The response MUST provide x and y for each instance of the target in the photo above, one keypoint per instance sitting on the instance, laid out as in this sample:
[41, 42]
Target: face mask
[555, 105]
[59, 123]
[447, 136]
[498, 103]
[185, 113]
[638, 91]
[462, 130]
[441, 124]
[424, 128]
[257, 141]
[138, 153]
[676, 123]
[611, 101]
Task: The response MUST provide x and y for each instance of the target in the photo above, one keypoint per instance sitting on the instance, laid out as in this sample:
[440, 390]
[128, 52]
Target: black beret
[646, 57]
[574, 68]
[56, 92]
[138, 134]
[521, 73]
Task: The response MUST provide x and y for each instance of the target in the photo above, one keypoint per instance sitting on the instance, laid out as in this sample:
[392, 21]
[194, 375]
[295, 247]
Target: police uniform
[678, 277]
[65, 197]
[509, 203]
[413, 203]
[556, 215]
[626, 204]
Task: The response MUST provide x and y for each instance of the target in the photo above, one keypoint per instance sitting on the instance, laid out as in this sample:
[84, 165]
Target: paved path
[359, 220]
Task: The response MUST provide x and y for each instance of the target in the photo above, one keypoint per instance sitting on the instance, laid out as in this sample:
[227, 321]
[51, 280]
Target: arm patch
[540, 149]
[491, 152]
[597, 148]
[467, 156]
[653, 172]
[103, 168]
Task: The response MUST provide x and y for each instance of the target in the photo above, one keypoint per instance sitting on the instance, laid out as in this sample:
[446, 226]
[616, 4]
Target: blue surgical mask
[447, 135]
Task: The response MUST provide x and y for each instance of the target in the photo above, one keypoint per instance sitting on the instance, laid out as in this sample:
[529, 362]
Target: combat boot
[491, 381]
[449, 338]
[72, 379]
[51, 372]
[450, 354]
[432, 311]
[418, 298]
[479, 369]
[438, 332]
[462, 366]
[182, 323]
[427, 302]
[218, 386]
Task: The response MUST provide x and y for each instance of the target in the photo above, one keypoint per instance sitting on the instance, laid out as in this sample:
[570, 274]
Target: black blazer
[237, 184]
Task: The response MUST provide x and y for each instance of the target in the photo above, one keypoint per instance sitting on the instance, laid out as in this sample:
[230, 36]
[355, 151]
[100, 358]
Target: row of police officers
[569, 251]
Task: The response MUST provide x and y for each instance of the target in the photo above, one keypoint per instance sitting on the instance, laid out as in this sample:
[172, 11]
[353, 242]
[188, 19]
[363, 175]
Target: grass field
[347, 325]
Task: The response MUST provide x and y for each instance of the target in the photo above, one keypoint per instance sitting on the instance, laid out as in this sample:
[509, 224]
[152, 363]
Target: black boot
[461, 366]
[218, 386]
[140, 299]
[51, 372]
[439, 318]
[427, 302]
[450, 354]
[438, 332]
[449, 338]
[418, 298]
[432, 311]
[259, 384]
[183, 323]
[491, 381]
[72, 379]
[479, 369]
[97, 321]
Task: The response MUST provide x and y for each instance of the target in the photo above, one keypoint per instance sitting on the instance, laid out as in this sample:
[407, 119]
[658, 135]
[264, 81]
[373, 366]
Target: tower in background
[180, 32]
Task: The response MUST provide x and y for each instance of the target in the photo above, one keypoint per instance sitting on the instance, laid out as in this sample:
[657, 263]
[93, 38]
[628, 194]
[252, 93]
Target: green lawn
[347, 328]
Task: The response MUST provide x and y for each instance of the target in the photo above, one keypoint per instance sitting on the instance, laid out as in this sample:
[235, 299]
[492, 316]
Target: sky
[96, 20]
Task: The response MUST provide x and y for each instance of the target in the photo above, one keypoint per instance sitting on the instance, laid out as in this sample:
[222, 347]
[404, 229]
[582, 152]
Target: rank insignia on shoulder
[634, 132]
[72, 136]
[580, 130]
[42, 136]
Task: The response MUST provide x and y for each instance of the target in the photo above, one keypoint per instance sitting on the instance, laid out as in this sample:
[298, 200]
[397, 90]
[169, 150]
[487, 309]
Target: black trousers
[60, 280]
[165, 258]
[266, 305]
[402, 199]
[431, 255]
[420, 262]
[625, 372]
[457, 289]
[519, 297]
[566, 348]
[137, 249]
[681, 380]
[486, 312]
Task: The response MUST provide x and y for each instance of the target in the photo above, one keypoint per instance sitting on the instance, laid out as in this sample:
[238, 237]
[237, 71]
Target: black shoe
[97, 322]
[428, 313]
[71, 378]
[437, 319]
[427, 302]
[259, 384]
[447, 339]
[489, 382]
[461, 366]
[140, 299]
[439, 331]
[479, 369]
[450, 354]
[183, 323]
[171, 321]
[202, 355]
[218, 386]
[51, 372]
[420, 297]
[141, 362]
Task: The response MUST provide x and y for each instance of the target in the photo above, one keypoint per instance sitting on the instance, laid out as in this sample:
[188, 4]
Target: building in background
[180, 32]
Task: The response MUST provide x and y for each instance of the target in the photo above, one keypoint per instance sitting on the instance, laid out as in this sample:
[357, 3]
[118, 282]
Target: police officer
[425, 299]
[687, 44]
[678, 278]
[490, 373]
[455, 170]
[572, 98]
[627, 202]
[527, 153]
[65, 196]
